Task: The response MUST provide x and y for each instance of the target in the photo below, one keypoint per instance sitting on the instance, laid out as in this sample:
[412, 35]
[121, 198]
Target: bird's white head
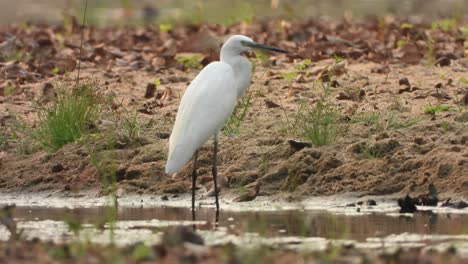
[237, 44]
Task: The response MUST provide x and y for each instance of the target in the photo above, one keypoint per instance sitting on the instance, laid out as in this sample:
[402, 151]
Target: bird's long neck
[242, 70]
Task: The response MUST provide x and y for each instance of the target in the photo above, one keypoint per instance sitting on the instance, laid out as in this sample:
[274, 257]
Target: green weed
[448, 24]
[319, 124]
[131, 128]
[289, 76]
[406, 25]
[385, 121]
[165, 27]
[445, 126]
[190, 62]
[9, 90]
[232, 126]
[304, 64]
[463, 80]
[432, 110]
[401, 43]
[73, 114]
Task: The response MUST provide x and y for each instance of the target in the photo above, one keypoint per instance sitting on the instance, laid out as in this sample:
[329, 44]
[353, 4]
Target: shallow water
[308, 225]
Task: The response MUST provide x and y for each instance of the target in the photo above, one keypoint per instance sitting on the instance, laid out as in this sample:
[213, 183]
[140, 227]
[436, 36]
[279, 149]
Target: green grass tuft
[433, 109]
[73, 114]
[232, 126]
[318, 124]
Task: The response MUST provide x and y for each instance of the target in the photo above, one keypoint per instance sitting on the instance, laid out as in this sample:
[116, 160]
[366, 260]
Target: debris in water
[181, 235]
[407, 205]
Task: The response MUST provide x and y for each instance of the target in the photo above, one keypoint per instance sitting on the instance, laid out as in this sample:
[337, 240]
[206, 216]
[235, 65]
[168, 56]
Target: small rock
[165, 198]
[443, 61]
[181, 235]
[444, 170]
[380, 69]
[120, 192]
[298, 145]
[271, 104]
[371, 202]
[343, 96]
[150, 90]
[407, 205]
[404, 81]
[351, 205]
[57, 168]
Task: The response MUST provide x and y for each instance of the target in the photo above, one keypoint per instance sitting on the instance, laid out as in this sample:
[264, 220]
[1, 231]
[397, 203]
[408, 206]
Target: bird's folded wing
[206, 105]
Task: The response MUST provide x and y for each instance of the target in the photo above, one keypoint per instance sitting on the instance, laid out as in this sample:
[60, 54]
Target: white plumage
[206, 105]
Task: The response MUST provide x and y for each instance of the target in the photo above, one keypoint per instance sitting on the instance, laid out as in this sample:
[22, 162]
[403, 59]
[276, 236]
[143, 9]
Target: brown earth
[391, 155]
[47, 252]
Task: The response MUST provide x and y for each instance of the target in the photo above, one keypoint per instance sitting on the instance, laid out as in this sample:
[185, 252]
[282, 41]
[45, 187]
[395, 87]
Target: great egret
[206, 105]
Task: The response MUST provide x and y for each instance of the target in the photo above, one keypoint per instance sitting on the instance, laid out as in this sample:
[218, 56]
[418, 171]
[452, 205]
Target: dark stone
[404, 81]
[443, 61]
[165, 198]
[181, 235]
[351, 205]
[455, 205]
[371, 202]
[57, 168]
[150, 90]
[407, 205]
[298, 145]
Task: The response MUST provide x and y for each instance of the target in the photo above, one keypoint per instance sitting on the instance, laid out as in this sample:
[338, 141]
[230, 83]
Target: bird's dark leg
[214, 170]
[194, 180]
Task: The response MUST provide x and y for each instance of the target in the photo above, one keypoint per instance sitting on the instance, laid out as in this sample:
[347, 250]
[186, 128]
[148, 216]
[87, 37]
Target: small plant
[190, 62]
[463, 80]
[262, 57]
[448, 24]
[55, 70]
[445, 125]
[165, 27]
[371, 153]
[401, 43]
[9, 90]
[371, 119]
[232, 126]
[72, 115]
[393, 121]
[381, 121]
[264, 163]
[303, 65]
[131, 127]
[432, 110]
[319, 124]
[406, 25]
[429, 56]
[289, 76]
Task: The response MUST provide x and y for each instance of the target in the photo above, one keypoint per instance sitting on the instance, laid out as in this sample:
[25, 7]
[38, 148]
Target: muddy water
[309, 225]
[303, 223]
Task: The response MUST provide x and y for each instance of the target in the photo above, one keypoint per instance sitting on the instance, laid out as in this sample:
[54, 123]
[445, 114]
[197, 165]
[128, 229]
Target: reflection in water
[276, 223]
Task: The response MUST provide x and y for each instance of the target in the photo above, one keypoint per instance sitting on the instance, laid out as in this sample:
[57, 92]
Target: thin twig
[81, 43]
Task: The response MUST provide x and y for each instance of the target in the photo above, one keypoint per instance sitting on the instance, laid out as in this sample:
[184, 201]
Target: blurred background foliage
[170, 12]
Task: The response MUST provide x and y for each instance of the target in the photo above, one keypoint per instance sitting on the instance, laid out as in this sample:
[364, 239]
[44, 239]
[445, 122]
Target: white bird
[207, 104]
